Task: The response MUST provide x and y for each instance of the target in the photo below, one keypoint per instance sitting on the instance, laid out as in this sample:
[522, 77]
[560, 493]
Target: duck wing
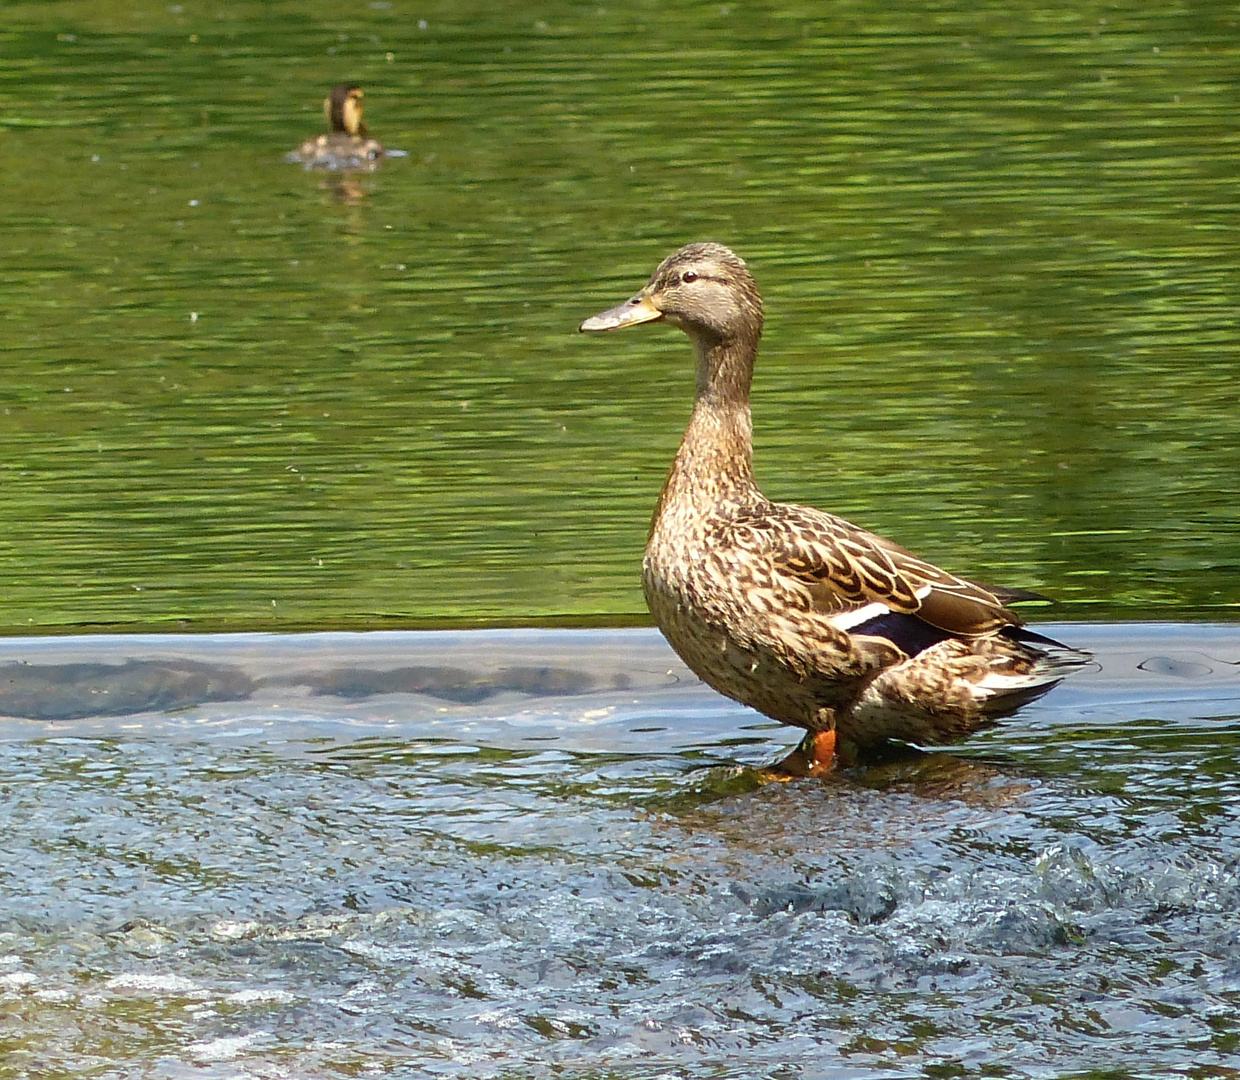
[855, 577]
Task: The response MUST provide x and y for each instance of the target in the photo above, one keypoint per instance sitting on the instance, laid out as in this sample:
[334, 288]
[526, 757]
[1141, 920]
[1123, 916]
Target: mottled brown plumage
[791, 610]
[347, 144]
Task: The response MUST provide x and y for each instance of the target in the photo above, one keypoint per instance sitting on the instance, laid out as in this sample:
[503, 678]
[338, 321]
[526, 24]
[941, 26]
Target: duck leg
[819, 750]
[819, 746]
[813, 756]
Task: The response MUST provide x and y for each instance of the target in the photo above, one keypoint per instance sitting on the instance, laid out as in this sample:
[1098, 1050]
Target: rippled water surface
[538, 854]
[997, 243]
[998, 248]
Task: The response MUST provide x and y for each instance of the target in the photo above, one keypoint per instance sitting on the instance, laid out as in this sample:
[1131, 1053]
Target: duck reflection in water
[796, 612]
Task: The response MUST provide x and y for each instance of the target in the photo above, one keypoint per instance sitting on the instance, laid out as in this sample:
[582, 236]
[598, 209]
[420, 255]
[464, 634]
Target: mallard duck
[796, 612]
[347, 145]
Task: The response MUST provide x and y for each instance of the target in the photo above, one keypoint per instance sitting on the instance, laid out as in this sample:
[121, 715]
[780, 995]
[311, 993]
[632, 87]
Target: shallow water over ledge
[538, 853]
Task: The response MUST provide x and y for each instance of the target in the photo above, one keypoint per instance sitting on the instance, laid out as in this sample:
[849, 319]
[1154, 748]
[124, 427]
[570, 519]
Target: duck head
[343, 109]
[704, 289]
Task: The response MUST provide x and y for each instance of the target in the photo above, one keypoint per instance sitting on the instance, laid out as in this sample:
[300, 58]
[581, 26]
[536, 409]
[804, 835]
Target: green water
[997, 242]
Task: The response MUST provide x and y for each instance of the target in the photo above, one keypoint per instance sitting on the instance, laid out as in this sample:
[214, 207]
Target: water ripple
[1060, 894]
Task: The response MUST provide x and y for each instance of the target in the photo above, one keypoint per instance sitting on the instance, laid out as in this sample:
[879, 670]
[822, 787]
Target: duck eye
[689, 276]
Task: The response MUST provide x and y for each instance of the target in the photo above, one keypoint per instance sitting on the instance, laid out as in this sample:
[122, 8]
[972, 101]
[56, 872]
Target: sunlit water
[537, 854]
[997, 244]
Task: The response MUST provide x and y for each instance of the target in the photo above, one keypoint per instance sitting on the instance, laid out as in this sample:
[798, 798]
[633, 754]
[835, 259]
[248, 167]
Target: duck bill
[630, 313]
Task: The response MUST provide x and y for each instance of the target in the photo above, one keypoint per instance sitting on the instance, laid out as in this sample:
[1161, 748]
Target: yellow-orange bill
[630, 313]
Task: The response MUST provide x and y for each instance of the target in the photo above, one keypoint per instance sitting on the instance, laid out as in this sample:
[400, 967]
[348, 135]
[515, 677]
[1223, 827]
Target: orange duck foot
[814, 756]
[820, 751]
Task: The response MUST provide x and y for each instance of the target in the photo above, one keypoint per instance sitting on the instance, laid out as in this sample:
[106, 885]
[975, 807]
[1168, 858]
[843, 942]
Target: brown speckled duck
[793, 611]
[347, 145]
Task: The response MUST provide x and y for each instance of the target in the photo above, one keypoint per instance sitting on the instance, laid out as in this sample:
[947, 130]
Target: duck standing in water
[793, 611]
[347, 145]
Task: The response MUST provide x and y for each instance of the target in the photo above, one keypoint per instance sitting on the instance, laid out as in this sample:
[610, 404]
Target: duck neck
[716, 454]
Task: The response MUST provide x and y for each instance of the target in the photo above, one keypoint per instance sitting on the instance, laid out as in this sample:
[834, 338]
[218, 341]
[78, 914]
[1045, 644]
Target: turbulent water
[538, 854]
[997, 248]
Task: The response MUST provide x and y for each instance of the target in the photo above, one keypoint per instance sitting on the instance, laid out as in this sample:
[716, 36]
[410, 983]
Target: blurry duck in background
[347, 144]
[795, 612]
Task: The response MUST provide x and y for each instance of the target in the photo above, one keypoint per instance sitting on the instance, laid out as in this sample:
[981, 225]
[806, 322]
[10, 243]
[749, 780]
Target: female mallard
[793, 611]
[347, 145]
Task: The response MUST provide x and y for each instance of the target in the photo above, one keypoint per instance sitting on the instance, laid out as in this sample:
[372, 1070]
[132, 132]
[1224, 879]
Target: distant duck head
[343, 109]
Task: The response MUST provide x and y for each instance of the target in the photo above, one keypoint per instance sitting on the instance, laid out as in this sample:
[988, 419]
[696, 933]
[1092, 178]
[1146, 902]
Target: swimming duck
[347, 145]
[796, 612]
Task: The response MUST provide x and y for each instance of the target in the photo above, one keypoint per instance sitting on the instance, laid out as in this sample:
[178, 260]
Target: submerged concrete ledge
[585, 688]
